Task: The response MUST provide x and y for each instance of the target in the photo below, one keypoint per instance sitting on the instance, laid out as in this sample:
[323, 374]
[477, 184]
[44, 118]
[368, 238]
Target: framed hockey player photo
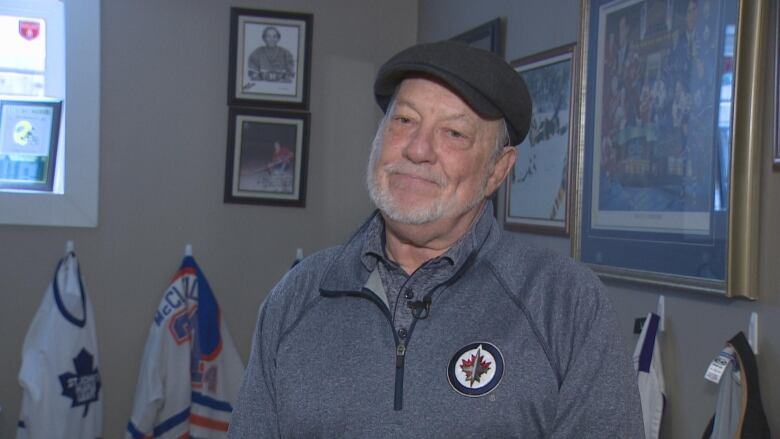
[537, 190]
[29, 135]
[667, 182]
[270, 58]
[266, 157]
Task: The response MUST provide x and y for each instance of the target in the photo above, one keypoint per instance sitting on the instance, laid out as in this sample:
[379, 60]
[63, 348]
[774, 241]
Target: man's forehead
[414, 91]
[485, 80]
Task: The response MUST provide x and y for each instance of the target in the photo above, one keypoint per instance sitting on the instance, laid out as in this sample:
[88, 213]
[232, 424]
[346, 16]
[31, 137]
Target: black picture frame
[267, 157]
[486, 36]
[266, 70]
[29, 136]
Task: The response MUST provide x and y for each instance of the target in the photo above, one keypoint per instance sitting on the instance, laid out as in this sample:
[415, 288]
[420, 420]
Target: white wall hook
[298, 254]
[69, 247]
[753, 332]
[188, 250]
[661, 311]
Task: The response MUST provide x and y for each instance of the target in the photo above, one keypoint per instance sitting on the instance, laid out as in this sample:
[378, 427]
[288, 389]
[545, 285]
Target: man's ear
[504, 163]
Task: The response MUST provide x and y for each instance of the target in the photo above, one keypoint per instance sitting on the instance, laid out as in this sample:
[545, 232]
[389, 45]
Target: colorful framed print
[537, 190]
[270, 58]
[267, 157]
[29, 135]
[665, 197]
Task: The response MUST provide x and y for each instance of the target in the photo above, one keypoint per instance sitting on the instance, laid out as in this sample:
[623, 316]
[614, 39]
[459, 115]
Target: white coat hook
[188, 250]
[661, 313]
[753, 332]
[69, 247]
[298, 254]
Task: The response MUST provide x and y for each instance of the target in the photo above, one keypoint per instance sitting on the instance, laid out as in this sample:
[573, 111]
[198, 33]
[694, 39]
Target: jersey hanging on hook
[60, 374]
[738, 381]
[191, 370]
[650, 376]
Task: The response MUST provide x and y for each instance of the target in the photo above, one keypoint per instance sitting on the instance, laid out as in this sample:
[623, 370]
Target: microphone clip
[420, 308]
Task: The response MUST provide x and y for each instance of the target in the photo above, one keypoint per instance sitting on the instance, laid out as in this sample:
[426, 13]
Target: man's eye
[456, 134]
[402, 119]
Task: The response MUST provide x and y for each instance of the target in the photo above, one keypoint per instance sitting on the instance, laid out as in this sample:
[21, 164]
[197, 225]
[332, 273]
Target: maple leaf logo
[475, 367]
[83, 387]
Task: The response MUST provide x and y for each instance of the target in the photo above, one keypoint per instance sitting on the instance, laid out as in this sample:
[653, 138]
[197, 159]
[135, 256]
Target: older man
[431, 321]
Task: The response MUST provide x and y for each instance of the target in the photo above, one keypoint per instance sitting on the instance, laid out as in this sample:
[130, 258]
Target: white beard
[437, 209]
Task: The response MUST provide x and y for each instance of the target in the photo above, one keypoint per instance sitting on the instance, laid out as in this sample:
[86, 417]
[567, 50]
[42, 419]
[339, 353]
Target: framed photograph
[270, 58]
[486, 36]
[537, 189]
[266, 157]
[29, 134]
[777, 91]
[664, 196]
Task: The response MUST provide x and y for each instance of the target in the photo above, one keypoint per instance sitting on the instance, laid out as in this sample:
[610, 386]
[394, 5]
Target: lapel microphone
[420, 308]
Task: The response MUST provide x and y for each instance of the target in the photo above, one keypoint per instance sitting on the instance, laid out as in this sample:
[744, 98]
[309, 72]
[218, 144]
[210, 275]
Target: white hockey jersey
[191, 371]
[650, 376]
[60, 375]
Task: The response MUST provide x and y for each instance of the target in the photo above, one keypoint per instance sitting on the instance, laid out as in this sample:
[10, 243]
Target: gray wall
[163, 137]
[697, 325]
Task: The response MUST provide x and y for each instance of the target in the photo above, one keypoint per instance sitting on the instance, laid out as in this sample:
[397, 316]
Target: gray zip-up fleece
[327, 362]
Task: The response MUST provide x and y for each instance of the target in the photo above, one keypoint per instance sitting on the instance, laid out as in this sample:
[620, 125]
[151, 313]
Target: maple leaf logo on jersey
[475, 367]
[83, 387]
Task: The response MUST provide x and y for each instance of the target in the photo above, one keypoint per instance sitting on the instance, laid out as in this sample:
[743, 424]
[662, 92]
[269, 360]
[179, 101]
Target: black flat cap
[482, 79]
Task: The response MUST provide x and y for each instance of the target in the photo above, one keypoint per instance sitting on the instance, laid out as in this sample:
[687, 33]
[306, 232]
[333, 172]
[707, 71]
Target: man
[281, 159]
[271, 62]
[431, 321]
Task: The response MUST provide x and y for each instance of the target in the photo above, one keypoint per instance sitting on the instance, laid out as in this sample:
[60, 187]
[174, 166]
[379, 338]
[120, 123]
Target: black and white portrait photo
[272, 65]
[270, 57]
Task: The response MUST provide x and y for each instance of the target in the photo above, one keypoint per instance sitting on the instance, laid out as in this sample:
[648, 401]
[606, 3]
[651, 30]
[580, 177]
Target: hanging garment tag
[718, 366]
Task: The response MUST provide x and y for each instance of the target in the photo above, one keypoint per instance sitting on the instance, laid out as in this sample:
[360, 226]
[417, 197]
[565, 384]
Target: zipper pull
[400, 353]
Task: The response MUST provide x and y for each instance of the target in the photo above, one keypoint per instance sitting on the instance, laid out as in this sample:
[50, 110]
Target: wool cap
[482, 79]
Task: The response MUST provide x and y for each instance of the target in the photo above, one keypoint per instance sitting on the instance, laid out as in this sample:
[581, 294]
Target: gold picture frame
[623, 243]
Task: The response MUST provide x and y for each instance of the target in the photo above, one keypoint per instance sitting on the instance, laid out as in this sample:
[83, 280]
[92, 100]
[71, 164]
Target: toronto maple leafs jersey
[60, 375]
[191, 370]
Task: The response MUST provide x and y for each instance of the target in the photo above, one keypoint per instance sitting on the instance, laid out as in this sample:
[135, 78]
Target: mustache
[417, 171]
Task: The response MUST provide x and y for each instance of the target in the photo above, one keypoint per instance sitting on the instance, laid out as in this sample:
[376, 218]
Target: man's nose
[420, 148]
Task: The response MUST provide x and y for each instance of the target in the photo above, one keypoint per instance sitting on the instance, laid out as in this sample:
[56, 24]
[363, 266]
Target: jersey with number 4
[191, 370]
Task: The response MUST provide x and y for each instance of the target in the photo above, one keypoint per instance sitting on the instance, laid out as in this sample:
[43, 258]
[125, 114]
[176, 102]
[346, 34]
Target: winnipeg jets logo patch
[476, 369]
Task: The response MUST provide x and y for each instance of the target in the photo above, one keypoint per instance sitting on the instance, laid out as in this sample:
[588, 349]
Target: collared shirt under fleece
[325, 356]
